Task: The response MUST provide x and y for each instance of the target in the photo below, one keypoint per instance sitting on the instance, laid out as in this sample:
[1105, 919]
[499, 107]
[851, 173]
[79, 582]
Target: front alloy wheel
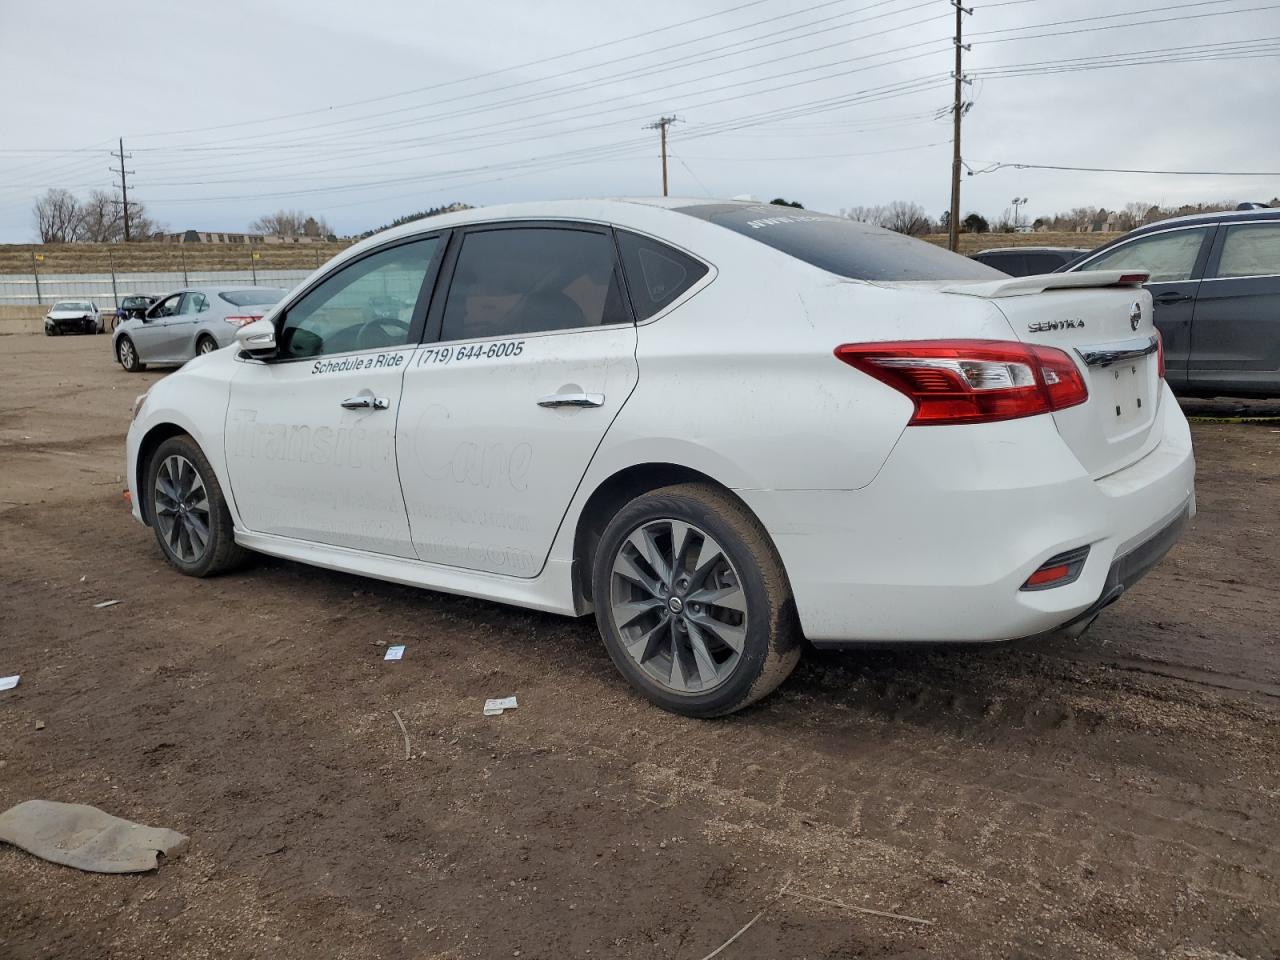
[692, 601]
[182, 508]
[127, 354]
[186, 508]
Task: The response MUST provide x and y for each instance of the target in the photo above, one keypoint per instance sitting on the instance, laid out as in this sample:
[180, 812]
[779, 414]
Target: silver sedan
[188, 322]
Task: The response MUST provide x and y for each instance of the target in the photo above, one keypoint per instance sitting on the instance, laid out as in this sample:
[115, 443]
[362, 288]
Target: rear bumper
[936, 548]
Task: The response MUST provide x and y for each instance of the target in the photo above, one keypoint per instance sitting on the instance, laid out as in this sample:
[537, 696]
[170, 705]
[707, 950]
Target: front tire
[693, 603]
[188, 511]
[127, 354]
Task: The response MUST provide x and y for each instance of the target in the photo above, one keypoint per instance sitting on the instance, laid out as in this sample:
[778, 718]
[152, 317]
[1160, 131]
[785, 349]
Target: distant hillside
[145, 257]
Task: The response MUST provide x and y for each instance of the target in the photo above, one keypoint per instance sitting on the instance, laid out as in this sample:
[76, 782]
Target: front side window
[532, 280]
[366, 305]
[1165, 256]
[1250, 250]
[656, 274]
[166, 307]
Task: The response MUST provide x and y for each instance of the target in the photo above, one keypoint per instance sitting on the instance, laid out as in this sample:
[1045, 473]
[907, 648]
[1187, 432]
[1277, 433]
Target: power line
[1136, 23]
[1164, 173]
[475, 76]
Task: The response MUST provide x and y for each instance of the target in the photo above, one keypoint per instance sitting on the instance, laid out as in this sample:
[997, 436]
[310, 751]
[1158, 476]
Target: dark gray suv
[1215, 279]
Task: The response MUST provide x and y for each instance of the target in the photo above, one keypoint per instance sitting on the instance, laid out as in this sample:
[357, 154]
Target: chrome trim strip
[1107, 354]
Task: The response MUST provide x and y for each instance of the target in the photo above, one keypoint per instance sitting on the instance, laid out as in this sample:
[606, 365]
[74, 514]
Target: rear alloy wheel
[206, 345]
[127, 354]
[692, 601]
[188, 512]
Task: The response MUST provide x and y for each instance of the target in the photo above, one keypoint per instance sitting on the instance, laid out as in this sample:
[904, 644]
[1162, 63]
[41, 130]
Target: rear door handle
[366, 403]
[1172, 297]
[573, 400]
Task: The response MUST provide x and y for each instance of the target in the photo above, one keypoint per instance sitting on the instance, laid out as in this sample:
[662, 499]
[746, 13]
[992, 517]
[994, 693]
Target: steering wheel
[393, 332]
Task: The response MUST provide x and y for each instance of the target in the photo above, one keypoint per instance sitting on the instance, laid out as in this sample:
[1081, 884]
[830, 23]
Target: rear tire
[205, 345]
[693, 603]
[127, 354]
[188, 511]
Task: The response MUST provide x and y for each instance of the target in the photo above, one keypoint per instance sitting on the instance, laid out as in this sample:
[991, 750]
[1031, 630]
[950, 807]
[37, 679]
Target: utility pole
[124, 186]
[661, 125]
[957, 111]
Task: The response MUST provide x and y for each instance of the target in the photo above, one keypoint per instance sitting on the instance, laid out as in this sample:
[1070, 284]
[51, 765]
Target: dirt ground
[1113, 796]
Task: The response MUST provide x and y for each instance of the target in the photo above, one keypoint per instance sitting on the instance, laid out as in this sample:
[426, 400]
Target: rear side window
[656, 274]
[1010, 263]
[1250, 250]
[1038, 263]
[841, 246]
[532, 280]
[1167, 257]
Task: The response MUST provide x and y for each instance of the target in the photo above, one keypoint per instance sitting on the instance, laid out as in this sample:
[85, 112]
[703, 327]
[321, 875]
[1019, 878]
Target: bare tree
[291, 223]
[1004, 223]
[903, 216]
[876, 215]
[58, 216]
[102, 218]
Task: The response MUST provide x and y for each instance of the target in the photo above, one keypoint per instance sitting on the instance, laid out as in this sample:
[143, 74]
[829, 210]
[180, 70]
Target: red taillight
[1160, 353]
[971, 381]
[1133, 279]
[241, 321]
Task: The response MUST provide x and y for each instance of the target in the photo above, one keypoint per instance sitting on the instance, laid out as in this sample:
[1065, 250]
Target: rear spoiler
[1023, 286]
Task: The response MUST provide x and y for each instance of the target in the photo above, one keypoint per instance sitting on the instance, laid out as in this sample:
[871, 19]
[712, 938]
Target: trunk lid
[1103, 320]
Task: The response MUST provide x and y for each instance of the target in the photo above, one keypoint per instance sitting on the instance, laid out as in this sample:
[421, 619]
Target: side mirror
[258, 339]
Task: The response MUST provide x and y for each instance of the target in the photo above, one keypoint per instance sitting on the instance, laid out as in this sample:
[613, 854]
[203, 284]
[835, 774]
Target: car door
[179, 330]
[1175, 259]
[310, 435]
[1235, 336]
[149, 337]
[530, 356]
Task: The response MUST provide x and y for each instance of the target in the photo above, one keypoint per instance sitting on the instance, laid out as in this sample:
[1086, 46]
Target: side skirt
[551, 591]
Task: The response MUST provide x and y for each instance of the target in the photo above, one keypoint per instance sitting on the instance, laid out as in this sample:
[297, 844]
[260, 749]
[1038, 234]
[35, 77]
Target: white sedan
[72, 316]
[722, 427]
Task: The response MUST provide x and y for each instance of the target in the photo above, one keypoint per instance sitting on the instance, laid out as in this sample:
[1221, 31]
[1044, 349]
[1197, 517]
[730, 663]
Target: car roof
[1221, 216]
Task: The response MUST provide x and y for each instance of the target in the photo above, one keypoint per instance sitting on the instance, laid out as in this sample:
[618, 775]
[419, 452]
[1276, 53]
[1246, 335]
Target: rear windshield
[844, 247]
[245, 298]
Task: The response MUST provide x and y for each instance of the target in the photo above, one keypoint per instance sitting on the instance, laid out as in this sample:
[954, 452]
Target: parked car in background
[1215, 280]
[189, 322]
[1028, 261]
[134, 305]
[72, 316]
[719, 426]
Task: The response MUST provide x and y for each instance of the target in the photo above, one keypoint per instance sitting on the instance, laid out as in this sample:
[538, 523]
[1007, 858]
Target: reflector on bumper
[1058, 570]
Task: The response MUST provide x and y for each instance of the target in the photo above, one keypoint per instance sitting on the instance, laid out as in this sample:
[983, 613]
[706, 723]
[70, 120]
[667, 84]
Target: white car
[72, 316]
[721, 426]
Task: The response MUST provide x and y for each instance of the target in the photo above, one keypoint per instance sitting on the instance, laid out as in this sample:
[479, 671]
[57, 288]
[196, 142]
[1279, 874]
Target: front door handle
[573, 400]
[366, 403]
[1172, 297]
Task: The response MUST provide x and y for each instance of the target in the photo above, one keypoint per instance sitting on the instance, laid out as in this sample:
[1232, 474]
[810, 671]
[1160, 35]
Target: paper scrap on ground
[494, 707]
[84, 837]
[395, 653]
[105, 603]
[8, 683]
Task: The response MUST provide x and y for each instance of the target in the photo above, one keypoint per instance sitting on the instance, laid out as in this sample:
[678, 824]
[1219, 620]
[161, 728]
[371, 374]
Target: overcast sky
[382, 108]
